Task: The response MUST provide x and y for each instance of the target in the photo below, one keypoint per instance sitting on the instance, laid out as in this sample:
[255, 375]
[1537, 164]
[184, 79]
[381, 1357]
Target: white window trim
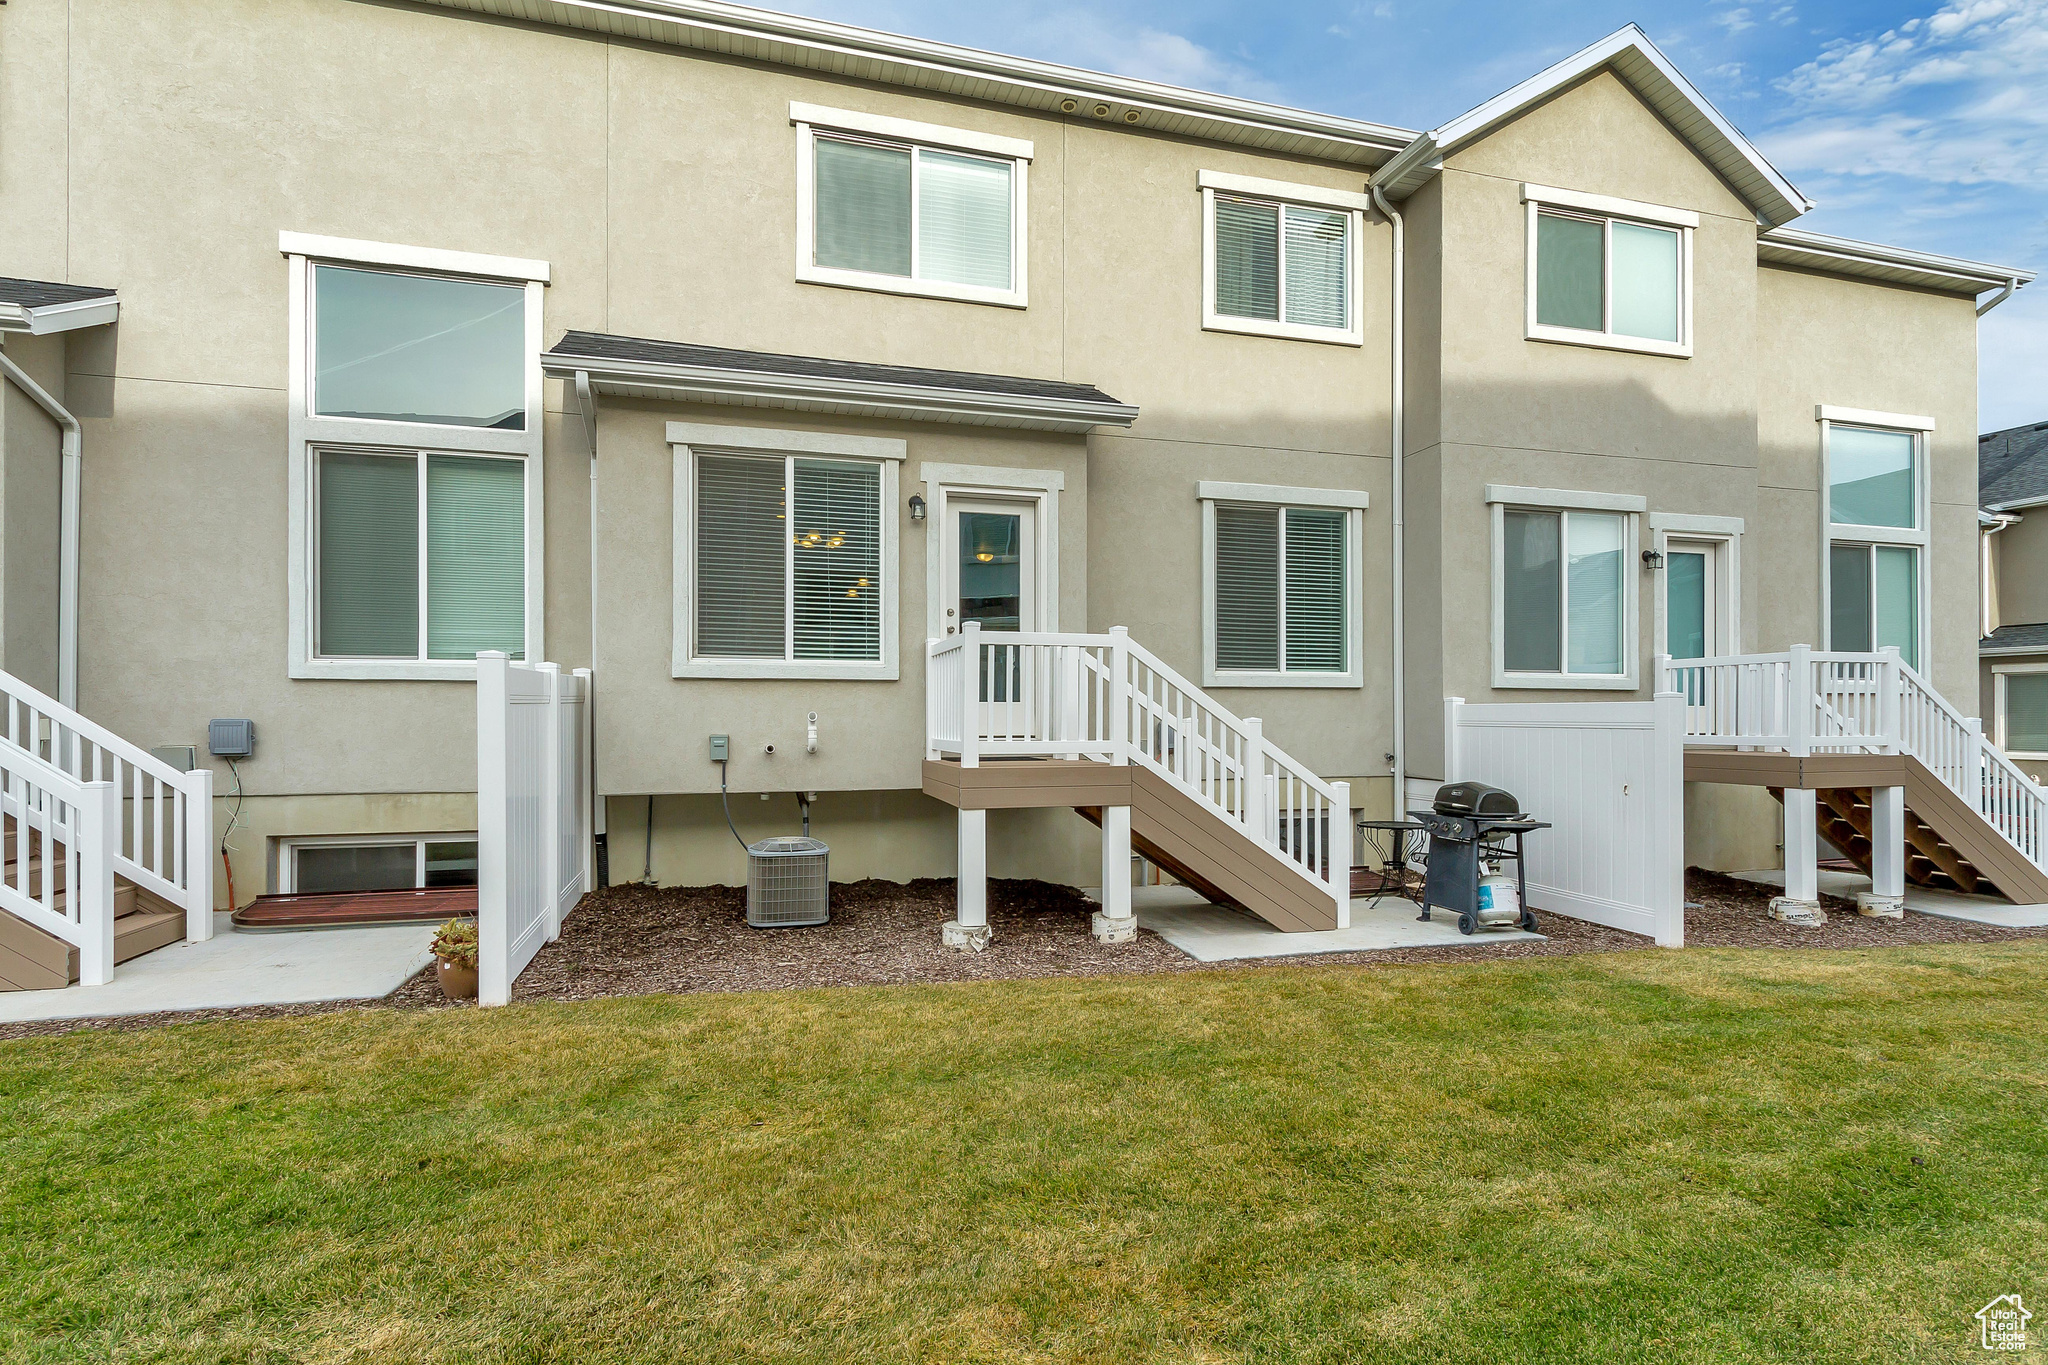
[306, 432]
[973, 482]
[1353, 504]
[1281, 192]
[1919, 537]
[1999, 673]
[1556, 500]
[1723, 531]
[909, 134]
[283, 866]
[687, 438]
[1608, 210]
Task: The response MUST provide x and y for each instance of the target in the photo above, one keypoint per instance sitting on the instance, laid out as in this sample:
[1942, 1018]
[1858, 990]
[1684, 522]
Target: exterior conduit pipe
[67, 530]
[2012, 286]
[1400, 509]
[586, 404]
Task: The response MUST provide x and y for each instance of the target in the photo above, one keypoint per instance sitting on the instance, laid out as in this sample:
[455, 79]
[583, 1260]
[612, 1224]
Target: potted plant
[455, 959]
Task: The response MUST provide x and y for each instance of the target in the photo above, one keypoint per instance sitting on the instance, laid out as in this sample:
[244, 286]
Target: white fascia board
[1609, 206]
[1866, 417]
[1212, 490]
[349, 250]
[1571, 499]
[1416, 162]
[1284, 190]
[838, 443]
[890, 59]
[1825, 252]
[909, 130]
[748, 388]
[44, 319]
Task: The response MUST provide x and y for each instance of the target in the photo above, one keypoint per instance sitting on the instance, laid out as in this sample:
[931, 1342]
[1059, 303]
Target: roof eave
[808, 393]
[1843, 255]
[43, 319]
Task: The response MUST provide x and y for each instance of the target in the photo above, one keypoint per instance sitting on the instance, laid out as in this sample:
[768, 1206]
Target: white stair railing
[162, 836]
[1806, 701]
[995, 694]
[57, 875]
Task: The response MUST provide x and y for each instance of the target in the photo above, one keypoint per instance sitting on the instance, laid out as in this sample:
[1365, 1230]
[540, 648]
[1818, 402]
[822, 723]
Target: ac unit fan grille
[788, 883]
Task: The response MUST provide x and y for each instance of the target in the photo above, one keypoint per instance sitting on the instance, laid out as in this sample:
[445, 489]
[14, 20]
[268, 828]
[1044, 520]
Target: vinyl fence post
[96, 823]
[1667, 817]
[552, 798]
[1453, 767]
[493, 958]
[586, 791]
[199, 855]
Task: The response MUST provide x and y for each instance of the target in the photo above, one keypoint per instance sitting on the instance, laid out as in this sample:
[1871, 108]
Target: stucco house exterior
[739, 357]
[2013, 486]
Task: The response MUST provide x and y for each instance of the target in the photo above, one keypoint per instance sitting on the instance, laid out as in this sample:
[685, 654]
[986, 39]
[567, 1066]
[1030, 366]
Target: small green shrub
[455, 942]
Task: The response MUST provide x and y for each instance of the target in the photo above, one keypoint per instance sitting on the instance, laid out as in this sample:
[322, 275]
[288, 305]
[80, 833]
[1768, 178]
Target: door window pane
[1315, 589]
[415, 348]
[451, 864]
[2026, 712]
[1570, 272]
[1645, 282]
[1870, 477]
[1595, 569]
[963, 222]
[838, 560]
[992, 570]
[1247, 588]
[741, 530]
[369, 570]
[1849, 598]
[1898, 601]
[863, 207]
[1685, 604]
[476, 556]
[1532, 592]
[1318, 267]
[1247, 259]
[355, 867]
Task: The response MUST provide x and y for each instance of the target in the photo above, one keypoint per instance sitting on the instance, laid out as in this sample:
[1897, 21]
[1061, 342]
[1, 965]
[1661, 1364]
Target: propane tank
[1500, 901]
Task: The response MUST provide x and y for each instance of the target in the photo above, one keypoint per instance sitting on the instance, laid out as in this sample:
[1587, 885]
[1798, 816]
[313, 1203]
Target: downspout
[1400, 509]
[67, 530]
[1999, 521]
[2012, 286]
[586, 403]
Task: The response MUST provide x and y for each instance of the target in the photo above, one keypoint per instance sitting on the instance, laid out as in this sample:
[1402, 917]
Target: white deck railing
[1805, 701]
[57, 874]
[163, 830]
[1007, 695]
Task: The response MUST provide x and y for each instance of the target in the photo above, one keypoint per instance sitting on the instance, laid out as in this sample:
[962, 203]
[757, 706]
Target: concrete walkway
[1217, 933]
[1923, 900]
[230, 970]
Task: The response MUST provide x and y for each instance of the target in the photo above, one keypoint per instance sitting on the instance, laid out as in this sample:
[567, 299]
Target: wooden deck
[335, 910]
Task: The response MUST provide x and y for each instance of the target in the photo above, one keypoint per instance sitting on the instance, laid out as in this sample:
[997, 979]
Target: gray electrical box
[721, 747]
[231, 738]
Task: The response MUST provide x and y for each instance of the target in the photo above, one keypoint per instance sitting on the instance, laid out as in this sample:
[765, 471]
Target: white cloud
[1084, 38]
[1734, 20]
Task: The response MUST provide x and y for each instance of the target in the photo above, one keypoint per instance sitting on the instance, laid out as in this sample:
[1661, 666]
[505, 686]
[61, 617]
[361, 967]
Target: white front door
[991, 577]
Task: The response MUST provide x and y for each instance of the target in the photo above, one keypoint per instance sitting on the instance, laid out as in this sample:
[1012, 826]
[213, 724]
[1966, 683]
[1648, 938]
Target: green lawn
[1708, 1155]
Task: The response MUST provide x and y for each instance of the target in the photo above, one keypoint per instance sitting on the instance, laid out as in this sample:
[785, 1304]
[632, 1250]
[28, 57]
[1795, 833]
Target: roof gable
[2012, 467]
[1631, 55]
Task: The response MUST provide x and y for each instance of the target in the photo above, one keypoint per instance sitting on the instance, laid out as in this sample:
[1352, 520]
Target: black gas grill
[1469, 823]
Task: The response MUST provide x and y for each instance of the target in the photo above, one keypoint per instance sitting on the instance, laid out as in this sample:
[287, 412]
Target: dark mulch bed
[639, 940]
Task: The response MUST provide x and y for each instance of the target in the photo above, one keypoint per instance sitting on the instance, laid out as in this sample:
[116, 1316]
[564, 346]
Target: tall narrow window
[1877, 532]
[1608, 272]
[1281, 589]
[1563, 593]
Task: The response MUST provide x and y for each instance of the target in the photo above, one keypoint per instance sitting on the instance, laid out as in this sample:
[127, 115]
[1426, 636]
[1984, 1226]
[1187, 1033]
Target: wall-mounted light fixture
[916, 508]
[1653, 559]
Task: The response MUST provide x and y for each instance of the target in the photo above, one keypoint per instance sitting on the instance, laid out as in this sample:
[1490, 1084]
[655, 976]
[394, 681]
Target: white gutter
[586, 403]
[1995, 523]
[1400, 510]
[67, 530]
[2012, 286]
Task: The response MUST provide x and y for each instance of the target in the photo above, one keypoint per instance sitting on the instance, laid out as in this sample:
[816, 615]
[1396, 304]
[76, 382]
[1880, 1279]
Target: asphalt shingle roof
[2018, 637]
[2012, 465]
[43, 293]
[601, 346]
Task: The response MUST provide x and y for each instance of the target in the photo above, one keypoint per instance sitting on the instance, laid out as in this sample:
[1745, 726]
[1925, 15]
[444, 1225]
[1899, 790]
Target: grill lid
[1475, 798]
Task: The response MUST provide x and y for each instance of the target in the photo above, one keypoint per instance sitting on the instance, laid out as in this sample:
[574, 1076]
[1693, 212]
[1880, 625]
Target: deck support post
[1801, 902]
[968, 930]
[1886, 898]
[1115, 923]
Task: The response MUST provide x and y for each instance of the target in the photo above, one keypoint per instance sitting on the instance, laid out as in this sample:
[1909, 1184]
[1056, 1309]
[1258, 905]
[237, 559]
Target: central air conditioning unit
[786, 883]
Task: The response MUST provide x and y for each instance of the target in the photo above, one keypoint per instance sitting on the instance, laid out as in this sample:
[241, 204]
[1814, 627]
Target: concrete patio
[235, 969]
[1921, 900]
[1216, 933]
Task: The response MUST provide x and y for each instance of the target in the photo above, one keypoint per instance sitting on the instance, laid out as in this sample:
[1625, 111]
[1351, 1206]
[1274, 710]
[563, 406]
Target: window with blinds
[1282, 263]
[916, 213]
[782, 577]
[1563, 592]
[419, 557]
[1281, 595]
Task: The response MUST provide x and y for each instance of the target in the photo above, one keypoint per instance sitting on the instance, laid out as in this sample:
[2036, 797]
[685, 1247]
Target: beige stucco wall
[30, 468]
[2019, 557]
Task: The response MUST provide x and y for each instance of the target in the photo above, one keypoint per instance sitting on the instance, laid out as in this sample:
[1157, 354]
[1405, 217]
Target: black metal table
[1400, 853]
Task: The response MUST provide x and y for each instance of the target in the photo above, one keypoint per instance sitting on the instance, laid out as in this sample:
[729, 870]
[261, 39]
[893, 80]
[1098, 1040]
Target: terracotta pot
[457, 981]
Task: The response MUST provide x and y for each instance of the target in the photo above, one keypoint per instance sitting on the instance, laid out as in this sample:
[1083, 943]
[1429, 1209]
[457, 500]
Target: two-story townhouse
[740, 357]
[2013, 654]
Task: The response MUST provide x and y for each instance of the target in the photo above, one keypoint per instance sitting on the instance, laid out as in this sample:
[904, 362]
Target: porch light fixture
[1653, 559]
[916, 508]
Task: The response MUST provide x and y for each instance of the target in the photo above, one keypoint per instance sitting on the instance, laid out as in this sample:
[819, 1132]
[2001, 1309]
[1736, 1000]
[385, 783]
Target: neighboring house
[2012, 489]
[873, 337]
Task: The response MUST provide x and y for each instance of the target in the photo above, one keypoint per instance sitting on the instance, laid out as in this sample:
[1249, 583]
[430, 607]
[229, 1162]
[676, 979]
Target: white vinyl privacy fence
[533, 812]
[1610, 778]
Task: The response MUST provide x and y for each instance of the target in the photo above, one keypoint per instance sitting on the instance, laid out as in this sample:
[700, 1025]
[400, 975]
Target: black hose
[727, 805]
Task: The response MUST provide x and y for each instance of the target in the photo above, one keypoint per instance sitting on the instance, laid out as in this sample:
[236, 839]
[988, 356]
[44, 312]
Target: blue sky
[1917, 124]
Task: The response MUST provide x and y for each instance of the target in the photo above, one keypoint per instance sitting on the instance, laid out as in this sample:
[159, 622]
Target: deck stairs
[106, 851]
[1975, 822]
[1093, 721]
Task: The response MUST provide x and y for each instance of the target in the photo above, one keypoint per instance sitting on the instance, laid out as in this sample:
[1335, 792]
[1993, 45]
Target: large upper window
[416, 448]
[909, 207]
[2022, 709]
[1281, 572]
[784, 548]
[1876, 525]
[1609, 272]
[1280, 259]
[1564, 599]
